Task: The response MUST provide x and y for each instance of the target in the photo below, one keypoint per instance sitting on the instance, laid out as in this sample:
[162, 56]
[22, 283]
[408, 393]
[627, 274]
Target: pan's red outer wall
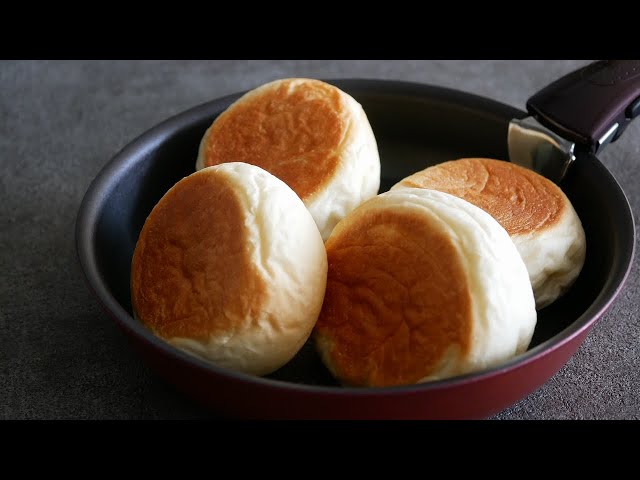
[469, 400]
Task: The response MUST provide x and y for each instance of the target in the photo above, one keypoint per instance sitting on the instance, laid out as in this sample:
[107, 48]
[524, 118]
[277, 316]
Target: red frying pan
[566, 126]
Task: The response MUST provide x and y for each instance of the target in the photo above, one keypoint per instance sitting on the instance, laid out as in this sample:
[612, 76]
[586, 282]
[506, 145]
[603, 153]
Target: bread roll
[534, 211]
[421, 286]
[230, 267]
[313, 136]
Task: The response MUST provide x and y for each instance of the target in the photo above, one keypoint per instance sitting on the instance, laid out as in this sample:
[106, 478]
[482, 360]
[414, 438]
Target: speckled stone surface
[62, 357]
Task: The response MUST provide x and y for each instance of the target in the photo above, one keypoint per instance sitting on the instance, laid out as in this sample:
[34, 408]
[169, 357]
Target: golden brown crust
[521, 200]
[292, 130]
[192, 274]
[397, 300]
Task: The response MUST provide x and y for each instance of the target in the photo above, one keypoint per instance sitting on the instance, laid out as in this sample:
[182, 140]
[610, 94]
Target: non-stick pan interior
[415, 126]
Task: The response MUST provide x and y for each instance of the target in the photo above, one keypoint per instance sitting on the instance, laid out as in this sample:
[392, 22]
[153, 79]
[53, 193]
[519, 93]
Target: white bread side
[536, 213]
[436, 289]
[230, 267]
[310, 134]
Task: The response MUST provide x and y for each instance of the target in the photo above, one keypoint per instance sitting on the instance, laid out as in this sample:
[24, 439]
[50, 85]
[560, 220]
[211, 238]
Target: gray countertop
[62, 357]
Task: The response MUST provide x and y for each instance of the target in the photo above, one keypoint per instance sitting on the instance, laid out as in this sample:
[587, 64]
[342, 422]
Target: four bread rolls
[433, 279]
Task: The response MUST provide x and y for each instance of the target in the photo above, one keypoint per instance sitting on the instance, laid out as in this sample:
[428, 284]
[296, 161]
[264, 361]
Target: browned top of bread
[192, 275]
[521, 200]
[290, 128]
[397, 299]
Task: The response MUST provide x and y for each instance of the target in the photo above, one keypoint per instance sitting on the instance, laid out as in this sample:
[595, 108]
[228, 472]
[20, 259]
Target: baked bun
[308, 133]
[421, 286]
[534, 211]
[230, 267]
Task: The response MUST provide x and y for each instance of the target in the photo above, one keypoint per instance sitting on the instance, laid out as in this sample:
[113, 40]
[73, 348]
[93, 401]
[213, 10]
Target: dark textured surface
[62, 357]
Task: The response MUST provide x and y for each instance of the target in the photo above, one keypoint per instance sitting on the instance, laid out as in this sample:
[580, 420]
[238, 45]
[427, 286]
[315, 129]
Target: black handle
[585, 105]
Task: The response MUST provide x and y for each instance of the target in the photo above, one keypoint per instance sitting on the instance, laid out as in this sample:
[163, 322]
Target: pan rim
[133, 152]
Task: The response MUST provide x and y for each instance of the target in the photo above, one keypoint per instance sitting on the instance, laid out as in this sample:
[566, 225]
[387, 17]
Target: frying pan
[416, 125]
